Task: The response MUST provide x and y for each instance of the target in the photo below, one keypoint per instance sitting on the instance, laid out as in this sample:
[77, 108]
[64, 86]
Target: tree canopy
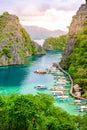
[28, 112]
[55, 42]
[77, 59]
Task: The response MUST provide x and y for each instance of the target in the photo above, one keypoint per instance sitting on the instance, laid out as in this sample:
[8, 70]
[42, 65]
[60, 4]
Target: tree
[55, 42]
[28, 112]
[82, 122]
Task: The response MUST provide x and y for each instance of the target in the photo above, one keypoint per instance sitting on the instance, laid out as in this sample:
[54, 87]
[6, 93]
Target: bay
[21, 79]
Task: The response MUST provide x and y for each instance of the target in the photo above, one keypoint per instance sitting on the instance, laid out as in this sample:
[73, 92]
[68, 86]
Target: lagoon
[22, 79]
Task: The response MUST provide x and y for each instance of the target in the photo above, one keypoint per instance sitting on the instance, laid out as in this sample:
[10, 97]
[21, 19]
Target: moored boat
[63, 97]
[57, 93]
[56, 88]
[40, 87]
[40, 71]
[81, 108]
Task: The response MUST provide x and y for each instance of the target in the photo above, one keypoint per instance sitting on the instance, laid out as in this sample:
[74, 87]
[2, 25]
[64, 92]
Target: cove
[22, 79]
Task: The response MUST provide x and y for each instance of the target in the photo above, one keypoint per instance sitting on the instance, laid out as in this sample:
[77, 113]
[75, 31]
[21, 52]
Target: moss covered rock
[15, 43]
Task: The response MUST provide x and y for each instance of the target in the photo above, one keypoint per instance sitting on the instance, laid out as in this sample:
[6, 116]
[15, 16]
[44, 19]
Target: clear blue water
[22, 79]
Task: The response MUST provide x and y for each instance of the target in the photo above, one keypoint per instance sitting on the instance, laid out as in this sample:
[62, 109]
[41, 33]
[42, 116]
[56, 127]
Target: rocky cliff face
[15, 43]
[76, 26]
[75, 55]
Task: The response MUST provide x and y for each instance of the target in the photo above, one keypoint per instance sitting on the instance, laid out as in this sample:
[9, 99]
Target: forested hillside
[75, 55]
[53, 43]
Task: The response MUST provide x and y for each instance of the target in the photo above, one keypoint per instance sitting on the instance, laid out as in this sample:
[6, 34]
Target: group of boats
[59, 90]
[82, 108]
[82, 105]
[51, 70]
[56, 90]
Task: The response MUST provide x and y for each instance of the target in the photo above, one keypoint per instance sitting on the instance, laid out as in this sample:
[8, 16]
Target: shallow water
[22, 79]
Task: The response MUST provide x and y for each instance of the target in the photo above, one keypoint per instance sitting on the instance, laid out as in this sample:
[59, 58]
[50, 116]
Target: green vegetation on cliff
[15, 43]
[77, 60]
[53, 43]
[75, 54]
[28, 112]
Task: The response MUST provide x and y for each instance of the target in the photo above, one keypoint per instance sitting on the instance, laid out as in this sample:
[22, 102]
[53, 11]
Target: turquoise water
[22, 79]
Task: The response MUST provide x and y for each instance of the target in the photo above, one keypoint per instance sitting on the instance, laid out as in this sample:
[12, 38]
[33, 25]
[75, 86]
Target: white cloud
[51, 14]
[52, 19]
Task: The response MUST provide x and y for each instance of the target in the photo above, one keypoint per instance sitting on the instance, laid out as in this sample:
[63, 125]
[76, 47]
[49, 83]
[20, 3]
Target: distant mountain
[42, 33]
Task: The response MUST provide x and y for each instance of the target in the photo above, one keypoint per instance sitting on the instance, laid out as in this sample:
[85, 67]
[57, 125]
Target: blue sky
[50, 14]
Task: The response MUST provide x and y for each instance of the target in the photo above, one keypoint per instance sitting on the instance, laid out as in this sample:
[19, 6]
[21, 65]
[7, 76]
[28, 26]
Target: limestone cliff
[75, 55]
[15, 43]
[76, 26]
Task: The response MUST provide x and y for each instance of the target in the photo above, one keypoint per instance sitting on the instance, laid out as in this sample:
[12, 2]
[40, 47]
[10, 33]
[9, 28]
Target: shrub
[6, 51]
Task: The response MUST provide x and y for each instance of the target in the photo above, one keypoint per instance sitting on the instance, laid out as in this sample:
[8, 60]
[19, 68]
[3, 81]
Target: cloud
[52, 19]
[32, 7]
[66, 5]
[51, 14]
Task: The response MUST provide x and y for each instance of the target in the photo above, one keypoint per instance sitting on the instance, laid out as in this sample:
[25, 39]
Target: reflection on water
[12, 76]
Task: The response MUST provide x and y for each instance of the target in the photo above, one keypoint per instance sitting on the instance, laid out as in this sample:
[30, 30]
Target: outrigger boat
[81, 108]
[56, 88]
[64, 97]
[57, 93]
[40, 71]
[40, 87]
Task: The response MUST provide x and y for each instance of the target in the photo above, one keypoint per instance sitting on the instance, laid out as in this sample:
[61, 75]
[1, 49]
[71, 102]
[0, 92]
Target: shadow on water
[12, 75]
[21, 75]
[54, 51]
[33, 58]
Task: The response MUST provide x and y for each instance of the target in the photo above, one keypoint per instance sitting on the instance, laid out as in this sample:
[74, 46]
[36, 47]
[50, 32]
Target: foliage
[77, 59]
[5, 13]
[15, 43]
[28, 112]
[55, 42]
[82, 122]
[84, 95]
[27, 42]
[6, 51]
